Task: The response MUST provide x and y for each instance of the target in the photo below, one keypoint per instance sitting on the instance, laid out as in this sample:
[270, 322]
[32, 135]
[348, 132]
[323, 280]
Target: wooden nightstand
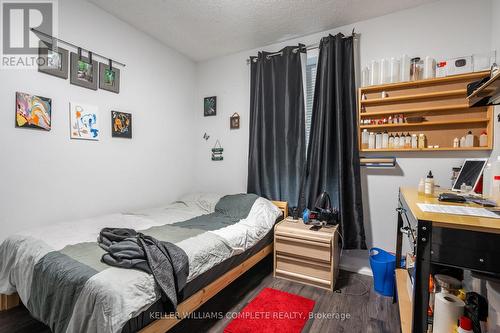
[306, 256]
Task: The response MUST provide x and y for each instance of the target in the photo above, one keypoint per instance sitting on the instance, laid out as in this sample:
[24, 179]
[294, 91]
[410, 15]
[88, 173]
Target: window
[311, 64]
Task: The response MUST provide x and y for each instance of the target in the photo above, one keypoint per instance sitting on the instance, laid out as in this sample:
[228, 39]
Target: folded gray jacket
[167, 262]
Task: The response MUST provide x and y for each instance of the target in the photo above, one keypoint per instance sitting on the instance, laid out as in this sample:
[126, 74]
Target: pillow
[236, 205]
[203, 201]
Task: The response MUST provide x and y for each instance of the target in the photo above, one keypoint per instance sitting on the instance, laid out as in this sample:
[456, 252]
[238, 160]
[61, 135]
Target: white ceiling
[203, 29]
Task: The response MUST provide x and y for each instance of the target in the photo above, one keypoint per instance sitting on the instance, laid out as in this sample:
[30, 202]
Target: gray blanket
[167, 262]
[62, 281]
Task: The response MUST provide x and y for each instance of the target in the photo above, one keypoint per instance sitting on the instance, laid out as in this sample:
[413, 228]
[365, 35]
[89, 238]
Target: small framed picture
[234, 121]
[109, 78]
[210, 106]
[53, 60]
[83, 72]
[121, 125]
[33, 111]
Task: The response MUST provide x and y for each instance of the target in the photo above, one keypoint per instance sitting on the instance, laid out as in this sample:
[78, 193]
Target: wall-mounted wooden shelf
[441, 101]
[429, 123]
[426, 149]
[411, 98]
[428, 82]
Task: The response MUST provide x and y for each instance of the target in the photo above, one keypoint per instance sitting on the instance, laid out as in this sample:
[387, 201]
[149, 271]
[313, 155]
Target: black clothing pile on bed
[167, 262]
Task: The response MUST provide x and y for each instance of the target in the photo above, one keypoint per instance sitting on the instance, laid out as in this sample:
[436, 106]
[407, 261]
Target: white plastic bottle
[469, 139]
[364, 139]
[385, 140]
[378, 141]
[371, 140]
[421, 187]
[429, 185]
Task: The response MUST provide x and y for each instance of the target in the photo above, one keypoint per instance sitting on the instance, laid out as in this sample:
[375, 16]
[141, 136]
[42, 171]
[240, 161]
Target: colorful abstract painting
[84, 121]
[33, 111]
[121, 124]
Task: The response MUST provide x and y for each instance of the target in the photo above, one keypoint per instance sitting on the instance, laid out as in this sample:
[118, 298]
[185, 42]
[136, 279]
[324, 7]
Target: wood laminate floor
[367, 312]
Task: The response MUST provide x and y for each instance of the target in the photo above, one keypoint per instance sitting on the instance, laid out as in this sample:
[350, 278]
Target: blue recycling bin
[383, 265]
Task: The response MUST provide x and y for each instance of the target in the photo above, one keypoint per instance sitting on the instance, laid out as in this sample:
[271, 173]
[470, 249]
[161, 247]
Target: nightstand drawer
[303, 248]
[304, 267]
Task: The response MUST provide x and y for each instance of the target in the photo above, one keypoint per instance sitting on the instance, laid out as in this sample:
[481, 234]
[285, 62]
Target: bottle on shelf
[396, 141]
[408, 141]
[421, 187]
[469, 139]
[462, 142]
[414, 141]
[394, 70]
[391, 141]
[364, 139]
[421, 141]
[402, 141]
[405, 68]
[456, 143]
[371, 140]
[378, 141]
[374, 73]
[429, 184]
[483, 139]
[385, 140]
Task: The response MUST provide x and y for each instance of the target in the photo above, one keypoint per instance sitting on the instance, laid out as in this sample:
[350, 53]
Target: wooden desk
[466, 242]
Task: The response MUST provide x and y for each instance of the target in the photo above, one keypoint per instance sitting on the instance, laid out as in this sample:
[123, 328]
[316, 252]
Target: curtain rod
[308, 47]
[38, 32]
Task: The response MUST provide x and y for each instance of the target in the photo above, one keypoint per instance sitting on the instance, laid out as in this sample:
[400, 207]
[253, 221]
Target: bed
[57, 272]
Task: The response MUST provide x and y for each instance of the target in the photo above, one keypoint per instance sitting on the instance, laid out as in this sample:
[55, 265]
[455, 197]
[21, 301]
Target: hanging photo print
[210, 106]
[53, 60]
[109, 78]
[83, 71]
[217, 152]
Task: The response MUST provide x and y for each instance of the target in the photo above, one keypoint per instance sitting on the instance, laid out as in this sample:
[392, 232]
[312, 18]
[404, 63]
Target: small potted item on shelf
[456, 143]
[390, 120]
[363, 97]
[384, 94]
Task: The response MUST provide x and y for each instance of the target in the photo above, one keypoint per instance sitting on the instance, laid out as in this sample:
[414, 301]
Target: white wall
[443, 29]
[46, 177]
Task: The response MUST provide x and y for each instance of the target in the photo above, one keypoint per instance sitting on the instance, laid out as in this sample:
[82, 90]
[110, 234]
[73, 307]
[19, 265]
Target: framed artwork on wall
[121, 125]
[234, 121]
[53, 60]
[84, 121]
[109, 78]
[33, 111]
[83, 71]
[210, 106]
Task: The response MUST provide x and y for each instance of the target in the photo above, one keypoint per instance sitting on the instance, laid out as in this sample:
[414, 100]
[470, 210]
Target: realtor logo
[19, 42]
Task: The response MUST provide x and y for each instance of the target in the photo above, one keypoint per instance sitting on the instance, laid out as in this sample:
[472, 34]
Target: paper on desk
[457, 210]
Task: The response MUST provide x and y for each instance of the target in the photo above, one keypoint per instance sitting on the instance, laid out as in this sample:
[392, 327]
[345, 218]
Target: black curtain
[332, 155]
[277, 125]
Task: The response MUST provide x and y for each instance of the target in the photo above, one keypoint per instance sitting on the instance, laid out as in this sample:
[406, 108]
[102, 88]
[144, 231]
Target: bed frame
[195, 301]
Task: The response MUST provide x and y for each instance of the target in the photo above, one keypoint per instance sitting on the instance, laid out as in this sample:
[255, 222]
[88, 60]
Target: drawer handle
[303, 241]
[304, 277]
[303, 237]
[323, 264]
